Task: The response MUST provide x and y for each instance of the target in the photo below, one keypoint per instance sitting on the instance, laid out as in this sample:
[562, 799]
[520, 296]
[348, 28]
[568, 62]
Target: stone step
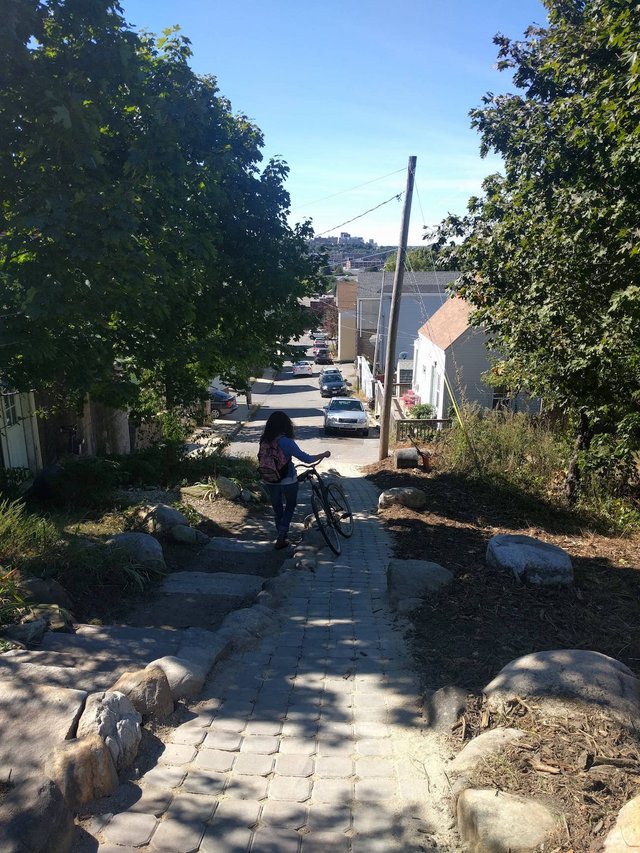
[135, 645]
[71, 677]
[240, 556]
[226, 584]
[76, 659]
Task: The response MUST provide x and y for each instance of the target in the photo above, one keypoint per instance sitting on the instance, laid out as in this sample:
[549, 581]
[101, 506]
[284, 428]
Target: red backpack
[273, 463]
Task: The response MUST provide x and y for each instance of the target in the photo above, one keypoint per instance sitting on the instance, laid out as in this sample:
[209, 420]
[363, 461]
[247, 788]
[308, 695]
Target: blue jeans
[283, 501]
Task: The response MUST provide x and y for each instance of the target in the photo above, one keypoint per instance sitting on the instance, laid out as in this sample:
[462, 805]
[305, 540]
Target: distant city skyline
[346, 92]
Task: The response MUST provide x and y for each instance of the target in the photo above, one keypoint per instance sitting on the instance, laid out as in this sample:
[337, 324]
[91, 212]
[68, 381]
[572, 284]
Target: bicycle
[330, 507]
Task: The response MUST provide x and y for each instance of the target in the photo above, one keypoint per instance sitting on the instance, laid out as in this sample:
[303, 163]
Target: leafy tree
[550, 252]
[140, 243]
[421, 259]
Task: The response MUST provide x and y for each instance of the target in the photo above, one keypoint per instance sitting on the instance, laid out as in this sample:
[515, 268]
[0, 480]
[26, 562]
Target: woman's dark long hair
[279, 423]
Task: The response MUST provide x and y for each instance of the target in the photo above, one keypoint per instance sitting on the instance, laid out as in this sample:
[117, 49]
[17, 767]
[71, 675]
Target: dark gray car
[333, 386]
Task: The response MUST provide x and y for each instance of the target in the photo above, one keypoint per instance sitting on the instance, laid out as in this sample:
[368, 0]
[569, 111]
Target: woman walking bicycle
[277, 449]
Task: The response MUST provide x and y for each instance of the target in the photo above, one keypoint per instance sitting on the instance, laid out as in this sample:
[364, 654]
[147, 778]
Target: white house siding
[19, 432]
[346, 336]
[466, 361]
[428, 370]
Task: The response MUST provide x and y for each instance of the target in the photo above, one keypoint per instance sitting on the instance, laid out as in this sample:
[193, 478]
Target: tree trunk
[583, 440]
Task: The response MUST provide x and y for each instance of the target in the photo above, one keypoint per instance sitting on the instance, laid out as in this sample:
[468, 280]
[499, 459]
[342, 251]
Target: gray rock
[570, 674]
[148, 690]
[27, 633]
[112, 716]
[243, 627]
[625, 835]
[530, 560]
[161, 518]
[185, 677]
[83, 769]
[442, 708]
[247, 496]
[227, 488]
[409, 581]
[184, 534]
[481, 747]
[34, 818]
[57, 710]
[497, 822]
[139, 547]
[407, 496]
[407, 457]
[45, 591]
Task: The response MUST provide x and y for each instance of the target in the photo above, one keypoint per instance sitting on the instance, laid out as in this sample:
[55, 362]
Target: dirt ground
[466, 634]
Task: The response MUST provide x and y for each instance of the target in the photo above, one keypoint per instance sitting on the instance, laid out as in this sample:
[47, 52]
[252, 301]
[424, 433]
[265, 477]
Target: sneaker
[282, 543]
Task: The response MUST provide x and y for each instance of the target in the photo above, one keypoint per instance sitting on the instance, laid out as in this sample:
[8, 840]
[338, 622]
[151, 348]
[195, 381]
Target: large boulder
[407, 496]
[530, 560]
[141, 548]
[625, 835]
[83, 769]
[34, 818]
[188, 535]
[227, 488]
[185, 677]
[161, 518]
[409, 581]
[29, 633]
[570, 674]
[111, 715]
[481, 747]
[442, 708]
[148, 690]
[44, 591]
[497, 822]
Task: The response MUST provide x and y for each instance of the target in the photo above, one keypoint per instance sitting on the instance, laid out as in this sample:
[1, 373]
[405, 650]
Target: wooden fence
[419, 429]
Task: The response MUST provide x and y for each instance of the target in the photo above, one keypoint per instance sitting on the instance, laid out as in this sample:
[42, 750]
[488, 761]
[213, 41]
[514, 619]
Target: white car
[302, 368]
[345, 414]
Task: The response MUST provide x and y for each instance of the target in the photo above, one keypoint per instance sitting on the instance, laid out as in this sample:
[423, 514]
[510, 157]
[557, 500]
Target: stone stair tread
[213, 583]
[139, 645]
[243, 546]
[56, 676]
[75, 659]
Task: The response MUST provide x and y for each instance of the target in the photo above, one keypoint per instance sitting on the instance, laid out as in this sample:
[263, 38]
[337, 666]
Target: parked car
[323, 357]
[317, 333]
[333, 385]
[321, 343]
[222, 403]
[345, 414]
[302, 368]
[327, 371]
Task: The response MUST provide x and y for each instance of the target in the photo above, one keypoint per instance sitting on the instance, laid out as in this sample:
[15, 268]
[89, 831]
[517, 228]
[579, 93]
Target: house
[422, 294]
[29, 441]
[346, 302]
[447, 344]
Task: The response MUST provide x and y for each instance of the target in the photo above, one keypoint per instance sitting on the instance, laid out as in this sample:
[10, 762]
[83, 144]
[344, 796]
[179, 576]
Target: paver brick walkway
[309, 742]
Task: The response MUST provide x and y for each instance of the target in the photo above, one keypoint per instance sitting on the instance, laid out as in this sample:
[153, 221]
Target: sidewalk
[309, 742]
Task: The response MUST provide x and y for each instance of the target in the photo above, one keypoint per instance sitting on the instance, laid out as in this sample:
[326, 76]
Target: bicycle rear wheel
[325, 522]
[340, 510]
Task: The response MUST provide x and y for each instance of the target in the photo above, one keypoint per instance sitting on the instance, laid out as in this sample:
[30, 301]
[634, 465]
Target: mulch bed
[466, 634]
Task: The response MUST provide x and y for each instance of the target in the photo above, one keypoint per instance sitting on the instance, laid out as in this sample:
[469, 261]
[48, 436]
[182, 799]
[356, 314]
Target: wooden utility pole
[394, 314]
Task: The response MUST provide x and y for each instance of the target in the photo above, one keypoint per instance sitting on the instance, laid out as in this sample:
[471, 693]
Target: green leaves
[136, 224]
[550, 252]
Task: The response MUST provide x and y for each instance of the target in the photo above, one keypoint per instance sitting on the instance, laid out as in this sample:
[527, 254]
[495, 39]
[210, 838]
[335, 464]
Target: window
[10, 409]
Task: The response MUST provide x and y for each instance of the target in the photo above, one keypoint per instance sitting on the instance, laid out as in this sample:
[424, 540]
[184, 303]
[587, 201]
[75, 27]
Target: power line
[342, 192]
[371, 209]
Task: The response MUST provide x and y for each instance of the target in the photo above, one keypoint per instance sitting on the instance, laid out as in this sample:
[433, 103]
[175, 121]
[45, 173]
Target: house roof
[448, 323]
[370, 283]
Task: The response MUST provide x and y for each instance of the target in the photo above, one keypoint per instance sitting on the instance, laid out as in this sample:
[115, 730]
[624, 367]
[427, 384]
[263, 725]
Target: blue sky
[346, 91]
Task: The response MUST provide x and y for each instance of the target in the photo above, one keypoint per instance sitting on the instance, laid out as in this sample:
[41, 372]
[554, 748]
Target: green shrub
[510, 446]
[424, 411]
[11, 601]
[85, 481]
[23, 535]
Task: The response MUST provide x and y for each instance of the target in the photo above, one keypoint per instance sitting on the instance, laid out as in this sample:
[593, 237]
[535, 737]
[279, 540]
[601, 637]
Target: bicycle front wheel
[325, 522]
[340, 510]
